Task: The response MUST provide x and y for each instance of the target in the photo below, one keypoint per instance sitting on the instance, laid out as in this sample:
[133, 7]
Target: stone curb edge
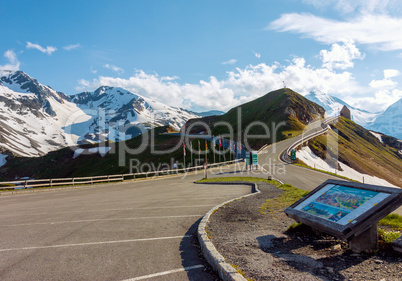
[211, 254]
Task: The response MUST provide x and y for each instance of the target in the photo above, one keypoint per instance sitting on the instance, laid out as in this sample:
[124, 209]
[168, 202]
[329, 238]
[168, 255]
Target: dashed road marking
[166, 272]
[97, 220]
[94, 243]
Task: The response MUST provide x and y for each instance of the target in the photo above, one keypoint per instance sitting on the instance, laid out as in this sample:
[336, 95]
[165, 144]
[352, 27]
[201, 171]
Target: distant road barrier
[25, 184]
[285, 156]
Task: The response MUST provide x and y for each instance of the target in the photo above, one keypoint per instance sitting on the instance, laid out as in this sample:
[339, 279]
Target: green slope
[362, 151]
[283, 105]
[59, 164]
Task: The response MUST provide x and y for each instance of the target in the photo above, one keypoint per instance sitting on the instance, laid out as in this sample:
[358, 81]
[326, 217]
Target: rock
[336, 248]
[378, 261]
[330, 269]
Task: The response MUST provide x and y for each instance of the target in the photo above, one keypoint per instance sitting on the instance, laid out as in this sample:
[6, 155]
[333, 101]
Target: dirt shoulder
[260, 246]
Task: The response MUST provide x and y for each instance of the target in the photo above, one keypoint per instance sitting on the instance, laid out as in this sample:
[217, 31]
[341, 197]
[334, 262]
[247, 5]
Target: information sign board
[255, 157]
[344, 208]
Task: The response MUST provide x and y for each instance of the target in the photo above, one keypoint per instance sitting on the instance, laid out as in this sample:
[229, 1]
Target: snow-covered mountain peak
[35, 119]
[119, 106]
[389, 122]
[333, 105]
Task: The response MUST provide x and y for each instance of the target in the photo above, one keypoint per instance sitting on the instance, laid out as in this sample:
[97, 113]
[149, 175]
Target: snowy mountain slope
[32, 116]
[119, 114]
[389, 122]
[333, 105]
[35, 119]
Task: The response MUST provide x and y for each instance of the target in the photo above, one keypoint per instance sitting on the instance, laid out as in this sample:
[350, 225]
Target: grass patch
[236, 267]
[294, 226]
[291, 133]
[290, 195]
[388, 236]
[393, 221]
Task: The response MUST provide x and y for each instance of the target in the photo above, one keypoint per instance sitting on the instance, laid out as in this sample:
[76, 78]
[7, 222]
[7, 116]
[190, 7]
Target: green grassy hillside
[59, 164]
[362, 151]
[283, 105]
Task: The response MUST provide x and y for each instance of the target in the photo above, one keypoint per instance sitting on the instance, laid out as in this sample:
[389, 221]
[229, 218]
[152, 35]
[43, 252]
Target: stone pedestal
[397, 245]
[367, 241]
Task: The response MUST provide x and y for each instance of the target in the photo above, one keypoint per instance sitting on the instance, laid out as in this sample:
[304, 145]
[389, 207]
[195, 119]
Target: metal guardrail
[285, 156]
[25, 184]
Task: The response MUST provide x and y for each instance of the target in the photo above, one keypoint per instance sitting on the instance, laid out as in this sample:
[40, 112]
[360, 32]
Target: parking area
[143, 230]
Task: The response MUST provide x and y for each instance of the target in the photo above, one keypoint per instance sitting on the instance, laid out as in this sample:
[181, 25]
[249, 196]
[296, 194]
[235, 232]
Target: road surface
[142, 230]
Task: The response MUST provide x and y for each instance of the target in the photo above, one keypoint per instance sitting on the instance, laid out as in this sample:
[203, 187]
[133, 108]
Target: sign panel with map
[340, 206]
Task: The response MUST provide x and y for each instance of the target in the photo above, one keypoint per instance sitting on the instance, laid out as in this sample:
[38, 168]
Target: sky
[204, 55]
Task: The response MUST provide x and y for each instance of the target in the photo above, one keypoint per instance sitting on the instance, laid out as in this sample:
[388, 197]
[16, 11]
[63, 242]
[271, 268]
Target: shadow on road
[191, 255]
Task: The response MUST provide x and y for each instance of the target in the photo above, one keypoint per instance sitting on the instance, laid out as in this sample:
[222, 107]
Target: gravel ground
[262, 248]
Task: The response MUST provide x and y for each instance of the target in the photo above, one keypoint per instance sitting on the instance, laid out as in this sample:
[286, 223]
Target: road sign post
[255, 158]
[293, 155]
[248, 159]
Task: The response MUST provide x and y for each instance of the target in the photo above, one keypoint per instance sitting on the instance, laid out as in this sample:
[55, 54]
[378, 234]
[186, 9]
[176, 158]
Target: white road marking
[94, 243]
[166, 273]
[96, 220]
[110, 210]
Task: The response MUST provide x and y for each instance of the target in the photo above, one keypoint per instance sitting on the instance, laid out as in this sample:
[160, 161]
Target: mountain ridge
[36, 119]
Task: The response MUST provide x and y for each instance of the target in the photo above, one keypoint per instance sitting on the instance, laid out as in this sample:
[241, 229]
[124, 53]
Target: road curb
[211, 254]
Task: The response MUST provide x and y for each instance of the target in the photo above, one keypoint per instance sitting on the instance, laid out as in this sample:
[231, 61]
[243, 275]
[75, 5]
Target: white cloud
[380, 31]
[239, 86]
[362, 6]
[94, 71]
[48, 50]
[114, 68]
[257, 55]
[13, 63]
[386, 82]
[340, 56]
[72, 47]
[390, 73]
[232, 61]
[379, 101]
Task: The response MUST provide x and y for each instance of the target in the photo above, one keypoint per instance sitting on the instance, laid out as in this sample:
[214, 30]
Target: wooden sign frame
[372, 202]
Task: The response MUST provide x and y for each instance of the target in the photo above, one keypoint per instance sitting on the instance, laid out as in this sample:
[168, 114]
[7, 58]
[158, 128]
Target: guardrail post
[92, 181]
[133, 176]
[51, 182]
[26, 184]
[147, 174]
[73, 182]
[108, 178]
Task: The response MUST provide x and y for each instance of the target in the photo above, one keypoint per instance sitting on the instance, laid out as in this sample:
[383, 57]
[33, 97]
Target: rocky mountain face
[35, 119]
[119, 114]
[32, 116]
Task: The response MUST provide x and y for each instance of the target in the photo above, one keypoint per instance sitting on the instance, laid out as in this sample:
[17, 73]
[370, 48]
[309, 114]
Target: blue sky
[209, 54]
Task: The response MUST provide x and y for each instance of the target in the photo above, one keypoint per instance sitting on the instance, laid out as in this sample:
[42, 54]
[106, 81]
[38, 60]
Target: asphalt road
[143, 230]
